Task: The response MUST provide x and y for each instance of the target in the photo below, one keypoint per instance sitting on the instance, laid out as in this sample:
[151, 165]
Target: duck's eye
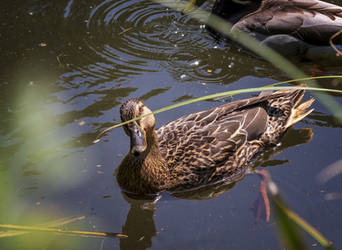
[141, 109]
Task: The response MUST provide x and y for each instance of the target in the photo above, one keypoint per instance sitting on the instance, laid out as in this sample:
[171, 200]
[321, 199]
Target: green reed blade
[55, 223]
[313, 232]
[304, 79]
[62, 231]
[277, 60]
[222, 95]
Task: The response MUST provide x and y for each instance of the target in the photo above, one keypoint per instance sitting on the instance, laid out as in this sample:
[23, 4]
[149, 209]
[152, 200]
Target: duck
[206, 147]
[298, 28]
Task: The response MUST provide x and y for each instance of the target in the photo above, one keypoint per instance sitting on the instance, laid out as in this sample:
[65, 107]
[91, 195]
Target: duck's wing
[206, 117]
[192, 150]
[312, 21]
[202, 126]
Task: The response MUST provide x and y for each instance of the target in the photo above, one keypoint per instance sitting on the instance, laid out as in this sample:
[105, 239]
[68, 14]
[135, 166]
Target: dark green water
[65, 69]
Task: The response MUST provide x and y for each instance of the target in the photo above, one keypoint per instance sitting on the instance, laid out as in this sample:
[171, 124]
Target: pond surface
[66, 67]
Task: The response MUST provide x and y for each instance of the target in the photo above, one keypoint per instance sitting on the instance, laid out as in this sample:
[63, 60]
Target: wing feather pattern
[213, 139]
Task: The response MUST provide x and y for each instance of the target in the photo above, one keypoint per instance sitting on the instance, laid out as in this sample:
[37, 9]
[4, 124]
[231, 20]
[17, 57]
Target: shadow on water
[140, 226]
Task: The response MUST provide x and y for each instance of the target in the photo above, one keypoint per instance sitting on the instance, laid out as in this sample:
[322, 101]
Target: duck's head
[140, 131]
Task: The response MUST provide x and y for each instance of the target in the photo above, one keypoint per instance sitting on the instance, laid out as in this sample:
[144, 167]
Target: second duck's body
[300, 28]
[204, 147]
[312, 21]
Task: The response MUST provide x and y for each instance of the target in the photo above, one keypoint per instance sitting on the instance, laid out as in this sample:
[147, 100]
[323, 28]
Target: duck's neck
[152, 162]
[233, 11]
[147, 172]
[152, 151]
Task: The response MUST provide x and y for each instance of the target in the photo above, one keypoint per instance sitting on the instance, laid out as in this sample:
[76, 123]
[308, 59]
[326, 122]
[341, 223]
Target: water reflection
[323, 120]
[139, 226]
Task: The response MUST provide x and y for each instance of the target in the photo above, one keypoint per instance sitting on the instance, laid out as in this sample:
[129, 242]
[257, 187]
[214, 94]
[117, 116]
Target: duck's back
[207, 146]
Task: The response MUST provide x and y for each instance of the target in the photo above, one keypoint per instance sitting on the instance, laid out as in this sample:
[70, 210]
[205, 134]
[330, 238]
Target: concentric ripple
[138, 29]
[139, 34]
[203, 64]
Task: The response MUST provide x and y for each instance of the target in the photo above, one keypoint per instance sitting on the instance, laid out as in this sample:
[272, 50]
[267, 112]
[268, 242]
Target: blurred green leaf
[291, 236]
[192, 5]
[288, 220]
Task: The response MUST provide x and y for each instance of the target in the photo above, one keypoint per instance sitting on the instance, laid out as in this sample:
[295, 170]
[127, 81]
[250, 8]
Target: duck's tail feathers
[298, 112]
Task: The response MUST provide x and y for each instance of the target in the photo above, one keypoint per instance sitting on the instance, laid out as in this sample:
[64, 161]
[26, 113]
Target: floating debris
[125, 30]
[330, 172]
[333, 196]
[81, 123]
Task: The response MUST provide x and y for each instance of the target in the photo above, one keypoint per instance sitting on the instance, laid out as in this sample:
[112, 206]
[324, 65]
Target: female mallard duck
[203, 147]
[300, 28]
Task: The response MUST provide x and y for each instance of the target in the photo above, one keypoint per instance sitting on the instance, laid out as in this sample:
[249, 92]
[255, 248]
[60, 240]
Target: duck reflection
[140, 226]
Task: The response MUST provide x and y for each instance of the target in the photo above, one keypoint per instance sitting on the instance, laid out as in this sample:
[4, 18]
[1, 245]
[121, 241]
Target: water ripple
[142, 30]
[203, 64]
[128, 38]
[138, 34]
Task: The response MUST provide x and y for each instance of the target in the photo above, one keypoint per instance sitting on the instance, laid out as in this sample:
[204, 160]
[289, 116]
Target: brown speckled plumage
[311, 21]
[204, 147]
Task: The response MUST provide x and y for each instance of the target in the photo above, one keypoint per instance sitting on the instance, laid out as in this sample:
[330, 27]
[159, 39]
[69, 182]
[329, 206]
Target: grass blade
[62, 231]
[59, 222]
[220, 95]
[305, 79]
[224, 27]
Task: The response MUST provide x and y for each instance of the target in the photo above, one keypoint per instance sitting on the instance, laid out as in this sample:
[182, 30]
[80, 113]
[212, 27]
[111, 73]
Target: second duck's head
[141, 132]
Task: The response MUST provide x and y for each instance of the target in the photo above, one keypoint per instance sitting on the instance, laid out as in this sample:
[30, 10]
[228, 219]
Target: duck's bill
[138, 141]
